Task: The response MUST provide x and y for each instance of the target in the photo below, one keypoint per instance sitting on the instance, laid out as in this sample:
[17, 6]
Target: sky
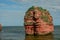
[12, 11]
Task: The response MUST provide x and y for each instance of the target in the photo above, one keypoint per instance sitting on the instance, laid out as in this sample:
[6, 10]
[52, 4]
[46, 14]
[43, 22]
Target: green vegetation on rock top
[39, 8]
[44, 16]
[31, 8]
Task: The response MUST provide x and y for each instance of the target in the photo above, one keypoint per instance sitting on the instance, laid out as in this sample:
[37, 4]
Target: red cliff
[38, 21]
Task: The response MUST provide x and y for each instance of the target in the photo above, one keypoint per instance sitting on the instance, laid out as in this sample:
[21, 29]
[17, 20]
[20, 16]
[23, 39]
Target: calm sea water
[17, 33]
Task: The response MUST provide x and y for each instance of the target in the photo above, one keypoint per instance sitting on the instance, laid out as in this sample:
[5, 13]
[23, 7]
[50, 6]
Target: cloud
[24, 0]
[56, 7]
[11, 17]
[6, 6]
[2, 4]
[19, 0]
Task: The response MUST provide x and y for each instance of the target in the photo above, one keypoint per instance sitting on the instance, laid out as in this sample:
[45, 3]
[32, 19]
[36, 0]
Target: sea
[18, 33]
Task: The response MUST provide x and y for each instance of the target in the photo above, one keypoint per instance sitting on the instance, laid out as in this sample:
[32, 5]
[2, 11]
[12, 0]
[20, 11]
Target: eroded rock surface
[38, 21]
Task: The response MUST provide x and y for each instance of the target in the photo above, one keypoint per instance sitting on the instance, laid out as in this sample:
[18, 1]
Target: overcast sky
[12, 11]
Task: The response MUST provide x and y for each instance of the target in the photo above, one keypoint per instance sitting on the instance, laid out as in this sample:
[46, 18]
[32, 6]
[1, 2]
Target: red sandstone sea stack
[38, 21]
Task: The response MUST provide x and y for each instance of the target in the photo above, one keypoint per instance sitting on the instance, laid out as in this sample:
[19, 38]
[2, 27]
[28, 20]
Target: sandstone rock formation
[38, 21]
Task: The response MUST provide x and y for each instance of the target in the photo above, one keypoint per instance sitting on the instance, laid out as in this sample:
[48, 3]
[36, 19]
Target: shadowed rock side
[38, 21]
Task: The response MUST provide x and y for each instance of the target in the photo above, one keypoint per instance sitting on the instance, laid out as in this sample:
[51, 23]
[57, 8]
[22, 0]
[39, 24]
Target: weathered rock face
[38, 21]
